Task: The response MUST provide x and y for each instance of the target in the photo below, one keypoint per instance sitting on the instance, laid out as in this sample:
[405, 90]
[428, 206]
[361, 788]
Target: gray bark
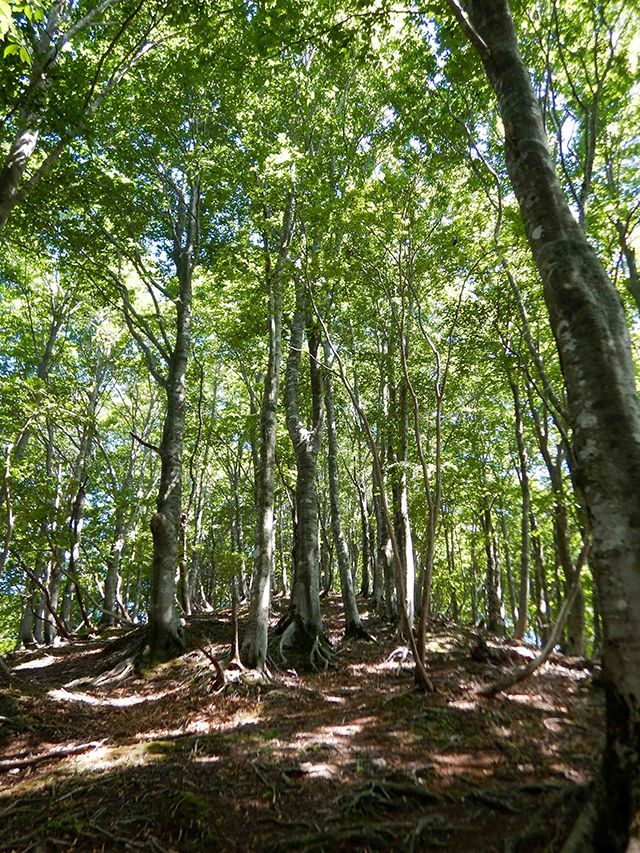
[508, 569]
[254, 644]
[493, 593]
[165, 638]
[306, 625]
[353, 623]
[523, 598]
[543, 602]
[377, 534]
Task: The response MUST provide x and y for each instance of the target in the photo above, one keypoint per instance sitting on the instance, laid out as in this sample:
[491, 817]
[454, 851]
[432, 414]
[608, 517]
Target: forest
[319, 425]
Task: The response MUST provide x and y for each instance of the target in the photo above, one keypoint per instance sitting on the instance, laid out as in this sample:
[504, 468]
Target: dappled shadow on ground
[344, 760]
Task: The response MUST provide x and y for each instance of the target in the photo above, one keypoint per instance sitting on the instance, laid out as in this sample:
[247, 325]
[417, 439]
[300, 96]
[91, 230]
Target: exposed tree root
[297, 638]
[117, 673]
[495, 800]
[383, 792]
[538, 833]
[359, 632]
[386, 835]
[320, 657]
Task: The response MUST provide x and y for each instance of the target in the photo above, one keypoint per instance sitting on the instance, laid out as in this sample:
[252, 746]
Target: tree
[254, 645]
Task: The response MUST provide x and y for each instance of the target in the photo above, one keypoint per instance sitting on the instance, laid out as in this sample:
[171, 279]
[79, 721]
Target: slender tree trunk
[365, 545]
[523, 598]
[73, 565]
[492, 582]
[629, 254]
[306, 621]
[591, 333]
[353, 623]
[378, 574]
[542, 586]
[124, 520]
[68, 565]
[511, 594]
[381, 588]
[165, 638]
[421, 675]
[26, 138]
[254, 645]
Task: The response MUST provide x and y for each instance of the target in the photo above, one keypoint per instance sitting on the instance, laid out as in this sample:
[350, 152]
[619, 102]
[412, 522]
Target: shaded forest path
[348, 759]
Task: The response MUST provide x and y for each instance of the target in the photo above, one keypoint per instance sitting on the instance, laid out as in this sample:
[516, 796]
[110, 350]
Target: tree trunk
[492, 582]
[365, 544]
[377, 532]
[543, 604]
[511, 594]
[590, 329]
[305, 629]
[165, 638]
[353, 623]
[254, 645]
[523, 598]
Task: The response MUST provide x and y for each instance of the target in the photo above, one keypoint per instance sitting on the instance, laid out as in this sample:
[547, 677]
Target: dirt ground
[349, 759]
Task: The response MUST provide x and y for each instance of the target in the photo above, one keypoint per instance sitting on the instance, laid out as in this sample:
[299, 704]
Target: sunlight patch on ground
[391, 665]
[198, 727]
[464, 704]
[571, 773]
[557, 669]
[537, 700]
[503, 732]
[63, 695]
[205, 759]
[407, 736]
[320, 770]
[238, 720]
[440, 644]
[336, 739]
[156, 735]
[335, 700]
[36, 663]
[467, 763]
[110, 757]
[334, 735]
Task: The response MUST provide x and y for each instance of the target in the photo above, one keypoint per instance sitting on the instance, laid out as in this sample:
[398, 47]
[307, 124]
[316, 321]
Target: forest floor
[349, 759]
